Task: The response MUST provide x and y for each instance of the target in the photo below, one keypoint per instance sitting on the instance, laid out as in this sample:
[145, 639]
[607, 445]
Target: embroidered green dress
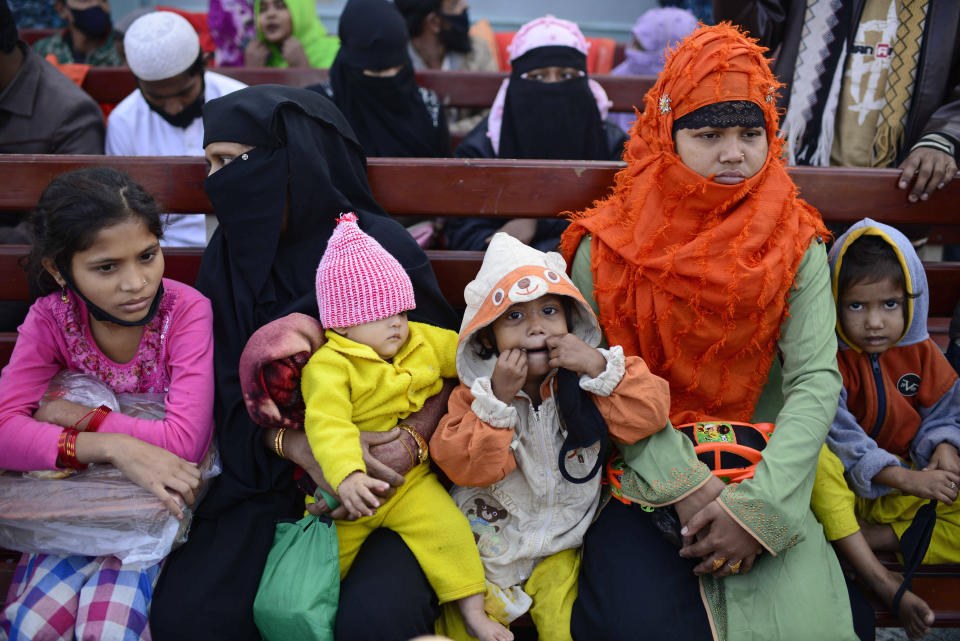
[796, 589]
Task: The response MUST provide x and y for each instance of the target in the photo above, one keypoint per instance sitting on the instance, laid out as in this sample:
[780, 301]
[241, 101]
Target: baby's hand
[932, 484]
[945, 457]
[356, 494]
[509, 374]
[570, 352]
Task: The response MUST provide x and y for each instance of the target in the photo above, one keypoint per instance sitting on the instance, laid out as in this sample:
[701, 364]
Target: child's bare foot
[914, 613]
[477, 622]
[486, 629]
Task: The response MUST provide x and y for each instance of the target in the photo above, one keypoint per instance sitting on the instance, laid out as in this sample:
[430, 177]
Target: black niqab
[276, 205]
[387, 113]
[557, 120]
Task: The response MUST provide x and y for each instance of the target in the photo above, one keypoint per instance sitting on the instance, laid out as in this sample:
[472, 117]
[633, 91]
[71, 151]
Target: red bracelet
[67, 449]
[76, 425]
[96, 420]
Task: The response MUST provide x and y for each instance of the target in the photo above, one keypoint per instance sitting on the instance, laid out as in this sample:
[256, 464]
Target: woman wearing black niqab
[390, 114]
[548, 109]
[276, 204]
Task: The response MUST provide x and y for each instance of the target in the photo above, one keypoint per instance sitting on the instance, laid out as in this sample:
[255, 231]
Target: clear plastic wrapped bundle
[97, 511]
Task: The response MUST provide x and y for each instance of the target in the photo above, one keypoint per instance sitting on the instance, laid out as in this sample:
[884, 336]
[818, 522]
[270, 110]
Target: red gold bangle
[76, 425]
[98, 415]
[67, 448]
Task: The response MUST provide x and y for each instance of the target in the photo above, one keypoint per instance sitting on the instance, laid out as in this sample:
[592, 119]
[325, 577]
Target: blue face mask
[94, 21]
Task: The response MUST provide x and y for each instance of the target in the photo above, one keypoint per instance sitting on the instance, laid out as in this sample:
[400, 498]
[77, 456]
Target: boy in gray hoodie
[893, 445]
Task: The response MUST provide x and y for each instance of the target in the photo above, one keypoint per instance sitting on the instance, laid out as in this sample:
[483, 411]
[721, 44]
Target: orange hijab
[690, 274]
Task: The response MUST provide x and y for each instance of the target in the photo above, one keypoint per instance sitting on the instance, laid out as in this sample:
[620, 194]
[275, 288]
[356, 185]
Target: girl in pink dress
[105, 310]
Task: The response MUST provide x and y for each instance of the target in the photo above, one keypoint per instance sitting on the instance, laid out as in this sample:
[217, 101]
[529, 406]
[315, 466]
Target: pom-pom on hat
[358, 281]
[160, 45]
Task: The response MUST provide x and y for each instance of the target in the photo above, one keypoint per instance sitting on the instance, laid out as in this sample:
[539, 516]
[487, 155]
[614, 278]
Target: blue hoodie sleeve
[862, 458]
[938, 424]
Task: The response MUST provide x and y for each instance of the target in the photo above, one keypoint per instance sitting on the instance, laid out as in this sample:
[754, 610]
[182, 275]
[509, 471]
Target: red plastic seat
[599, 57]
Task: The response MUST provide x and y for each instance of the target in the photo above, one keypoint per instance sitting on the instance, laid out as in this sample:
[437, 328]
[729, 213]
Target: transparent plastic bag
[98, 511]
[82, 389]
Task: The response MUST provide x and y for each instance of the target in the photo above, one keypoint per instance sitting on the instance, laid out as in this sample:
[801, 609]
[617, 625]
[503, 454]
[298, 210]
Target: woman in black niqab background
[277, 205]
[391, 115]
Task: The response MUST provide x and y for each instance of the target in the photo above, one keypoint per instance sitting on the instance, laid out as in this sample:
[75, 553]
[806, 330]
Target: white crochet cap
[160, 45]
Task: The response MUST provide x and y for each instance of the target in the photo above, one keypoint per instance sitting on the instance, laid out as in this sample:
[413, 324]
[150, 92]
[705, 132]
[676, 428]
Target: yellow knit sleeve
[333, 436]
[444, 344]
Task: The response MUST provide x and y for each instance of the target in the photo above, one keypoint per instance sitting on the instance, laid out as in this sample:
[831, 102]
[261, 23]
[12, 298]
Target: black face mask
[384, 89]
[186, 115]
[456, 37]
[95, 22]
[101, 314]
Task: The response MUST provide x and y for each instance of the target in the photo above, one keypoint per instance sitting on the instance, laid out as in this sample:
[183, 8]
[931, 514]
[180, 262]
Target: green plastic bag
[300, 585]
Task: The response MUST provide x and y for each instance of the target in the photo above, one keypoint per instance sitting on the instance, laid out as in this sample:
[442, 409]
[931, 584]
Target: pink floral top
[145, 373]
[175, 357]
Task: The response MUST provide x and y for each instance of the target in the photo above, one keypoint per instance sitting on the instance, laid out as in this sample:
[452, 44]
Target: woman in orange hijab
[705, 262]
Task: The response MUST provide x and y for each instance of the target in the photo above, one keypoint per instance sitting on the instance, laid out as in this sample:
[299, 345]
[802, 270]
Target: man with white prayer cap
[163, 116]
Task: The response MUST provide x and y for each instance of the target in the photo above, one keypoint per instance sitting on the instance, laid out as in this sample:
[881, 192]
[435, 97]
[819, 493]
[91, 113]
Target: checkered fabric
[60, 598]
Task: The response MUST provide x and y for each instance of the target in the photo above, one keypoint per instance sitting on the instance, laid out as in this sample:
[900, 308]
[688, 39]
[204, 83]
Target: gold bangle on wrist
[278, 442]
[423, 452]
[413, 459]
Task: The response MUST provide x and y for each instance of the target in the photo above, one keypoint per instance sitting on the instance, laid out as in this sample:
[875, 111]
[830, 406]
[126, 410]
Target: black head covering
[415, 11]
[551, 120]
[388, 114]
[727, 113]
[276, 206]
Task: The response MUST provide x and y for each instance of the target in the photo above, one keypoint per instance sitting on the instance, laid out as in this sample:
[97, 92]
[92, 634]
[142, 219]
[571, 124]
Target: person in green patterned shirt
[89, 37]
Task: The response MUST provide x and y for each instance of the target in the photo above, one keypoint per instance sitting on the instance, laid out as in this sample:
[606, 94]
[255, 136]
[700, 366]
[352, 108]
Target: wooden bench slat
[470, 89]
[454, 269]
[490, 187]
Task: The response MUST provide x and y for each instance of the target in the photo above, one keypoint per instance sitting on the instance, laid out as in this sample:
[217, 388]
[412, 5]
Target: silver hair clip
[664, 103]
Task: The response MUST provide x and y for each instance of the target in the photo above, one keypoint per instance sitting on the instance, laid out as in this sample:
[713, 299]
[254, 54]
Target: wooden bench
[471, 89]
[32, 35]
[509, 189]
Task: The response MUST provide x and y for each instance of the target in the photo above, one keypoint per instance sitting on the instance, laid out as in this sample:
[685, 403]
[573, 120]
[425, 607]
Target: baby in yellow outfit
[375, 369]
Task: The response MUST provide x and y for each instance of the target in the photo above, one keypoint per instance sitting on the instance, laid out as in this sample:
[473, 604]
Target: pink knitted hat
[358, 281]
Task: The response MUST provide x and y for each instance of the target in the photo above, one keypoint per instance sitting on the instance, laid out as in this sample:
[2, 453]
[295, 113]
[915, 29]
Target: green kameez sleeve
[774, 503]
[662, 468]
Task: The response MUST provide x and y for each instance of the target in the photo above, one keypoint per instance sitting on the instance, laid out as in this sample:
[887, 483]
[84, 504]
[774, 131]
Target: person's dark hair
[727, 113]
[198, 65]
[74, 208]
[8, 29]
[870, 259]
[415, 12]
